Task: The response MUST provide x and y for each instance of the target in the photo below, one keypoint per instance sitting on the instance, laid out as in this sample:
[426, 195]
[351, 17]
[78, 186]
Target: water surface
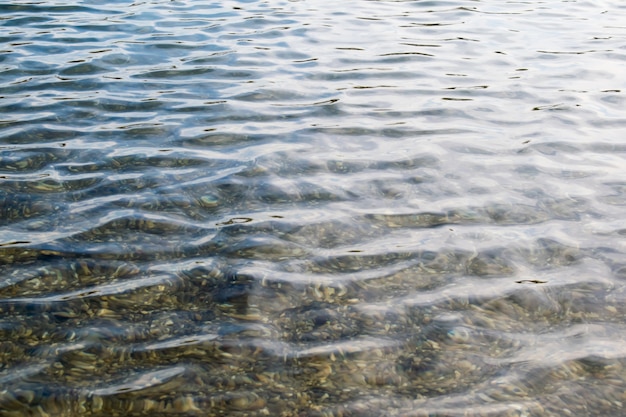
[312, 208]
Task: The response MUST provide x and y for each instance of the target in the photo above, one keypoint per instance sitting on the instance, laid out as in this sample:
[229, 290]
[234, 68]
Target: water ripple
[303, 208]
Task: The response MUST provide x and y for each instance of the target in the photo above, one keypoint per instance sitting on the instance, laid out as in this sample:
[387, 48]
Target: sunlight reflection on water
[304, 208]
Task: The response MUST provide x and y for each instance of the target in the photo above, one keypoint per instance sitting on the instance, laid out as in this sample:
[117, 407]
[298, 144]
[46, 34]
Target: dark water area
[313, 208]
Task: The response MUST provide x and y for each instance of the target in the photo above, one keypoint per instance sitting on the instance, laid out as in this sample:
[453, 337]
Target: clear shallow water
[302, 208]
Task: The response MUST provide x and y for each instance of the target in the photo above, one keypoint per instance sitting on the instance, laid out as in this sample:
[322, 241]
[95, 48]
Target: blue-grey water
[312, 208]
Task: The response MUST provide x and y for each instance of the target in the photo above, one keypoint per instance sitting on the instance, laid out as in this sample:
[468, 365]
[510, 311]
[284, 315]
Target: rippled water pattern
[312, 208]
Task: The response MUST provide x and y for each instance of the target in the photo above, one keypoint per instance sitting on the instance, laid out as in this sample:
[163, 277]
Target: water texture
[312, 208]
